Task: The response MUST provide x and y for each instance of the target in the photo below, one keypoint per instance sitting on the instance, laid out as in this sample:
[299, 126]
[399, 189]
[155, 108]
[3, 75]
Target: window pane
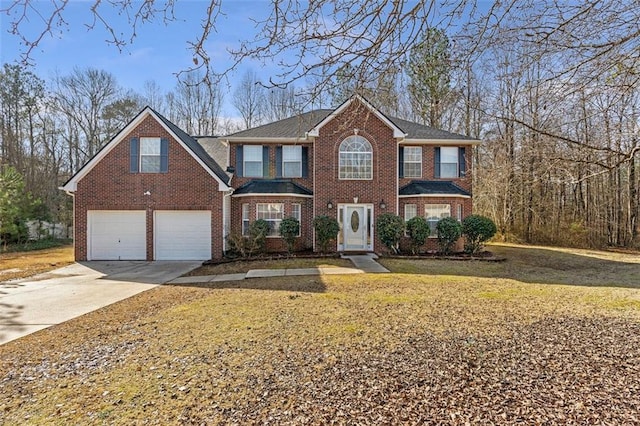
[272, 213]
[410, 211]
[448, 170]
[355, 158]
[449, 155]
[150, 164]
[292, 169]
[252, 152]
[253, 169]
[292, 153]
[435, 212]
[150, 146]
[245, 219]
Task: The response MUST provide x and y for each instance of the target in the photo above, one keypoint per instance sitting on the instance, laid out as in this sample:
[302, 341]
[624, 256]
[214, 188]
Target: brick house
[154, 192]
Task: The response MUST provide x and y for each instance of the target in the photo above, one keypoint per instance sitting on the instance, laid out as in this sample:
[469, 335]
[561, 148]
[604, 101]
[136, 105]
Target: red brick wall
[240, 180]
[277, 244]
[383, 186]
[110, 186]
[428, 163]
[432, 243]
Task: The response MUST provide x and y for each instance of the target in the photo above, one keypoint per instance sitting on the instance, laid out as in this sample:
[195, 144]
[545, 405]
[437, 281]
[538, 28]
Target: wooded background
[551, 89]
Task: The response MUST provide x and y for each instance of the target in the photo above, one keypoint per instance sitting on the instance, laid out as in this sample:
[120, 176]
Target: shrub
[248, 245]
[289, 231]
[476, 230]
[390, 229]
[327, 229]
[418, 231]
[449, 230]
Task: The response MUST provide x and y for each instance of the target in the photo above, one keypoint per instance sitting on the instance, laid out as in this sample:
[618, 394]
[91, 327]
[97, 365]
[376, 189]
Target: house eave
[434, 196]
[279, 194]
[267, 139]
[440, 142]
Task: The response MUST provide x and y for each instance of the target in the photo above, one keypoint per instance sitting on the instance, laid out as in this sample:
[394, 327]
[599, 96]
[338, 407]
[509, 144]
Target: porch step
[366, 262]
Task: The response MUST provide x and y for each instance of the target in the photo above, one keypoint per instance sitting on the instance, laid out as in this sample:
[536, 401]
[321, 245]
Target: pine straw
[368, 349]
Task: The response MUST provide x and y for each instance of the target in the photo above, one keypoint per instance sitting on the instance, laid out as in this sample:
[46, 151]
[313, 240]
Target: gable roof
[397, 132]
[272, 187]
[187, 142]
[432, 188]
[300, 127]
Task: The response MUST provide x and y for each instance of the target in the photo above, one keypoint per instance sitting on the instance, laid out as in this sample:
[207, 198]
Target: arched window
[355, 159]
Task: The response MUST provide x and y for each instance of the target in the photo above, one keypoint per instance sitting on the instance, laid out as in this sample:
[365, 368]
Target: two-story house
[154, 192]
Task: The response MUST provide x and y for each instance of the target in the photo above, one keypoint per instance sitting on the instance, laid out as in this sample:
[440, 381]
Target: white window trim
[299, 161]
[368, 158]
[457, 172]
[419, 175]
[157, 141]
[433, 206]
[244, 160]
[277, 234]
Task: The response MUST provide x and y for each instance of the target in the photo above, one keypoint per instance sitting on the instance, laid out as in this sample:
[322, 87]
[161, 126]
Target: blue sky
[158, 52]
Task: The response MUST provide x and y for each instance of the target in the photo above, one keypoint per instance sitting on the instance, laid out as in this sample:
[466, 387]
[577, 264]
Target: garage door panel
[182, 235]
[116, 235]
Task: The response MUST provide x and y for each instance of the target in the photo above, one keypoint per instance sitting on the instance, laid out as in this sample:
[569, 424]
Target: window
[412, 161]
[150, 155]
[245, 219]
[355, 159]
[272, 213]
[291, 161]
[296, 211]
[448, 162]
[433, 213]
[410, 211]
[252, 160]
[459, 212]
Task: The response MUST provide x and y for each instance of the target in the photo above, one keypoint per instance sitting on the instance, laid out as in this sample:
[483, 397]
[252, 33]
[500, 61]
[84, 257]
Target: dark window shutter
[462, 164]
[279, 161]
[401, 162]
[133, 156]
[239, 160]
[164, 155]
[305, 161]
[436, 164]
[265, 161]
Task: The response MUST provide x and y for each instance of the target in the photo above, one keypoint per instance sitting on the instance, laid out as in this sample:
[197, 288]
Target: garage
[116, 235]
[182, 234]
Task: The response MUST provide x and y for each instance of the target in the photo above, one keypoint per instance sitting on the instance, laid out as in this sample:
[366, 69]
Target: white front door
[355, 221]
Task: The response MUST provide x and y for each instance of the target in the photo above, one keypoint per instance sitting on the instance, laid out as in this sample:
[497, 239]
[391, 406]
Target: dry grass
[28, 263]
[460, 342]
[284, 263]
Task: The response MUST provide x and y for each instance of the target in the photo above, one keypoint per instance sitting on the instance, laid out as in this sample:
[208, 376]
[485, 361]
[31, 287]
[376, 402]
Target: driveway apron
[41, 301]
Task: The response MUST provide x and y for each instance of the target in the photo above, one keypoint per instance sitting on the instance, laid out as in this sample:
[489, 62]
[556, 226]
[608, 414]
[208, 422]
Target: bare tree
[249, 100]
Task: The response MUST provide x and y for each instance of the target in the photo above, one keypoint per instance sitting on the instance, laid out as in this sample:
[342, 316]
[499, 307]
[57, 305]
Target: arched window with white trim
[355, 159]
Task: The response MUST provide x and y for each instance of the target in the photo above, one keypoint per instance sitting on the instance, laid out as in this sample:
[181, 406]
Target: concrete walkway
[363, 263]
[38, 302]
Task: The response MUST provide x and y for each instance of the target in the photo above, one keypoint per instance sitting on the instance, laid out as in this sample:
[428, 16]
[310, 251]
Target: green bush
[418, 231]
[449, 231]
[390, 229]
[327, 229]
[248, 245]
[289, 231]
[477, 230]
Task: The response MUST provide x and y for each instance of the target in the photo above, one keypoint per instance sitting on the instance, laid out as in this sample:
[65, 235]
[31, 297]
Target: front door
[355, 227]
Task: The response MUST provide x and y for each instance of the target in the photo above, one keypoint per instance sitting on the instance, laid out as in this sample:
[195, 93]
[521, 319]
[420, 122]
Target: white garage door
[182, 235]
[116, 235]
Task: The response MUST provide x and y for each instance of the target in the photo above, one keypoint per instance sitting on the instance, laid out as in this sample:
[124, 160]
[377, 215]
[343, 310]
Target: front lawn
[531, 340]
[23, 264]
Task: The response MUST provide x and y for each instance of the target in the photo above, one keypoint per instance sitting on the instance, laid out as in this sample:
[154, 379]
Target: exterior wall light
[329, 205]
[383, 205]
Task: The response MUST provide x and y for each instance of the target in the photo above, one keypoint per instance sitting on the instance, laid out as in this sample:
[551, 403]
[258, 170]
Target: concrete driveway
[41, 301]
